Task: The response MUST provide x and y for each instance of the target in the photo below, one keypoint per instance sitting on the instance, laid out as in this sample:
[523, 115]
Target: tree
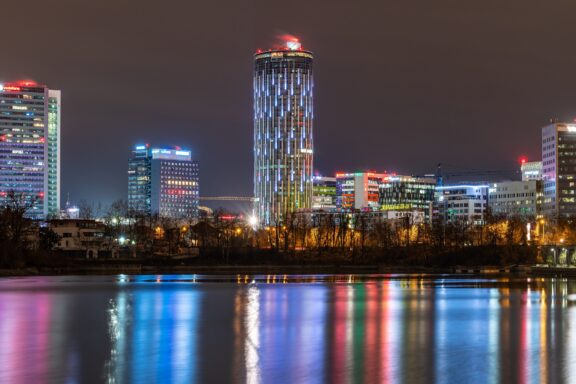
[85, 210]
[48, 239]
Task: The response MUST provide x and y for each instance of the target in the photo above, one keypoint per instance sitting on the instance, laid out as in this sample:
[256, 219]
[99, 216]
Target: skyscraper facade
[53, 153]
[163, 181]
[30, 147]
[283, 140]
[559, 171]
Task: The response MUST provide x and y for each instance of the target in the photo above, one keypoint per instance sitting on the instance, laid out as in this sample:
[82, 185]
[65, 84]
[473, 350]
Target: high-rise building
[559, 171]
[283, 141]
[53, 153]
[531, 170]
[324, 193]
[358, 191]
[30, 146]
[163, 181]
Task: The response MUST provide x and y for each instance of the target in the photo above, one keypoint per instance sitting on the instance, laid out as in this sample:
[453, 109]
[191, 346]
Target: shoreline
[331, 269]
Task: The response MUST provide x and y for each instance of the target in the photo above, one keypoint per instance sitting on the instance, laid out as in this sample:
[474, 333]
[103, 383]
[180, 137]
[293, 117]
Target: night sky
[400, 85]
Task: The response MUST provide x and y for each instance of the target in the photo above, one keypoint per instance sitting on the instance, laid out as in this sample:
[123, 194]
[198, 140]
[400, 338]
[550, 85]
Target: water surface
[286, 329]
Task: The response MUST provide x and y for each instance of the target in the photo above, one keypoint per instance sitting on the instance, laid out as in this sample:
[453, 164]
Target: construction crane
[471, 172]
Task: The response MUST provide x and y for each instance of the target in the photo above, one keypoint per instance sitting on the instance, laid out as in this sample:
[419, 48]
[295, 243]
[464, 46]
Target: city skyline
[438, 82]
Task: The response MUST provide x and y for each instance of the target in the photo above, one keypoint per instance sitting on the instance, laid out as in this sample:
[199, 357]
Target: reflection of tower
[252, 341]
[283, 116]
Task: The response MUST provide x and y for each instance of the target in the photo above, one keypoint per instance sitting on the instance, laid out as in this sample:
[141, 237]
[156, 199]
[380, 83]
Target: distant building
[163, 181]
[30, 146]
[407, 193]
[413, 217]
[324, 193]
[358, 190]
[461, 203]
[83, 238]
[559, 171]
[531, 170]
[520, 198]
[283, 139]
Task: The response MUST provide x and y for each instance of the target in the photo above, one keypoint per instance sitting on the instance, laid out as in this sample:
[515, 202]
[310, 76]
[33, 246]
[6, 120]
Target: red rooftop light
[27, 83]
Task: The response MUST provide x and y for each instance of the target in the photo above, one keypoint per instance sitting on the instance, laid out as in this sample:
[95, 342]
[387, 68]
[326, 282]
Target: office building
[407, 193]
[283, 120]
[515, 198]
[358, 191]
[30, 117]
[163, 181]
[324, 193]
[461, 204]
[559, 171]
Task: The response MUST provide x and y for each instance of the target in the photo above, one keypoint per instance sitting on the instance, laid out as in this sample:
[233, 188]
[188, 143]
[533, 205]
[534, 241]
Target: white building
[462, 203]
[415, 217]
[85, 237]
[511, 198]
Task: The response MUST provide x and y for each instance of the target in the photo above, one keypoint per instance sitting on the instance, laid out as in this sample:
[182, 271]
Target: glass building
[283, 141]
[407, 193]
[163, 181]
[324, 193]
[30, 147]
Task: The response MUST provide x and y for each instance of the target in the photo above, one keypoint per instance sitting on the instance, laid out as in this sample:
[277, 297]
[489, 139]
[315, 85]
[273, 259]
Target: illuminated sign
[293, 45]
[140, 147]
[19, 108]
[571, 128]
[1, 87]
[10, 88]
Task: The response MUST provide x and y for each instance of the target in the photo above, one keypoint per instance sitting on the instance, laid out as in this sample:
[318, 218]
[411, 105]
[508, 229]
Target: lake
[287, 329]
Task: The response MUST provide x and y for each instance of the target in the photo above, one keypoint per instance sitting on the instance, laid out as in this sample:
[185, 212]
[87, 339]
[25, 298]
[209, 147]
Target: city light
[253, 221]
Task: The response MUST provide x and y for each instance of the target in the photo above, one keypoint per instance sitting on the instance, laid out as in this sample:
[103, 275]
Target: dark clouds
[400, 85]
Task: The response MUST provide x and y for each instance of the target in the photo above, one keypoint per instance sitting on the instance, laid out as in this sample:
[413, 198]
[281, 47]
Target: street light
[253, 221]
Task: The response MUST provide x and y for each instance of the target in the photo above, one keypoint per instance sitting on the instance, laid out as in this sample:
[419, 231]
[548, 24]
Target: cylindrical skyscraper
[283, 119]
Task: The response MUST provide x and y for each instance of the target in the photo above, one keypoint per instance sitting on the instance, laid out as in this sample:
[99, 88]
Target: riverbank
[139, 269]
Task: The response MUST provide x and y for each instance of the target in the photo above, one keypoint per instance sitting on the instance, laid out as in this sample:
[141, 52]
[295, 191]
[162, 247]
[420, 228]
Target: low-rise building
[82, 237]
[323, 193]
[358, 191]
[515, 198]
[461, 203]
[407, 193]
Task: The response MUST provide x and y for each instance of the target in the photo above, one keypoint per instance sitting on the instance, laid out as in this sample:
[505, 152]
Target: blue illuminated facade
[283, 140]
[163, 181]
